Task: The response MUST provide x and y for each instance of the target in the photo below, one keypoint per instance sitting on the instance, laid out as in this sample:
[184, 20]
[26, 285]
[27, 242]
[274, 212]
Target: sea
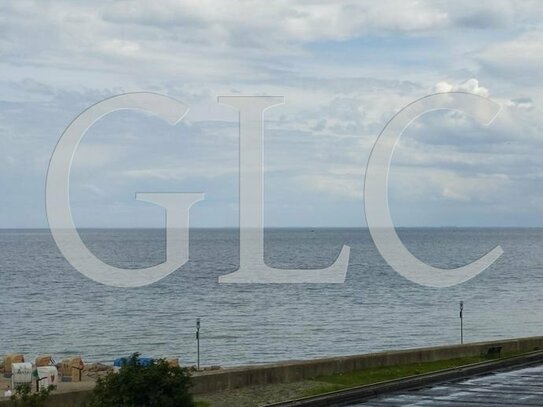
[48, 307]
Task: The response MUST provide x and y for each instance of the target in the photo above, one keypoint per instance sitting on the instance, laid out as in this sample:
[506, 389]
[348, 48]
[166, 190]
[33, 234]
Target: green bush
[24, 397]
[156, 385]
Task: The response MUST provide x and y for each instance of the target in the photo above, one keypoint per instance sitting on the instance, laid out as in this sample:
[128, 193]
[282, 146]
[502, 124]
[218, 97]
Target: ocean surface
[47, 307]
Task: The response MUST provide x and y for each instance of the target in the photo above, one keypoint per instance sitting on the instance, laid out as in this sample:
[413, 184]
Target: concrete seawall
[291, 371]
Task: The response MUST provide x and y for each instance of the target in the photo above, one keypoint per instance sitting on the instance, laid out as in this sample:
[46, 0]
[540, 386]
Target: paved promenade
[517, 388]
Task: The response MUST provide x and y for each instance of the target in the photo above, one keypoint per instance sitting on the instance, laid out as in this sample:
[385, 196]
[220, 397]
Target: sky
[344, 67]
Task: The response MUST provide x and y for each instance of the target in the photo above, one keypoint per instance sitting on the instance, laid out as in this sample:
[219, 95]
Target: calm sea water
[48, 307]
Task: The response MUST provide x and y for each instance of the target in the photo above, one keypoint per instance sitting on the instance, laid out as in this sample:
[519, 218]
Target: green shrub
[156, 385]
[24, 397]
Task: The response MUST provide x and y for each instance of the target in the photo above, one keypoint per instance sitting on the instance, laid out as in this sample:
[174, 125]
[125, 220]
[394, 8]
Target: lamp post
[198, 341]
[461, 322]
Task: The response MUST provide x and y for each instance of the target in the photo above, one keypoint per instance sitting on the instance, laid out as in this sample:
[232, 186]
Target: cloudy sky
[344, 68]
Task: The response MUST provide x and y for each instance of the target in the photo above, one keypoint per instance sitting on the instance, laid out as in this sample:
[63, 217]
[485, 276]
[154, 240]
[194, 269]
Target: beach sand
[88, 380]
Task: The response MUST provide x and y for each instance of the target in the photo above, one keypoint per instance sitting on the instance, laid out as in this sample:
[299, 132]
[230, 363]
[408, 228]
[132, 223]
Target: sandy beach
[88, 379]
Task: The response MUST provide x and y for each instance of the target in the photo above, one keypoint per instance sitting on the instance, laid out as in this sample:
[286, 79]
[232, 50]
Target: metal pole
[461, 322]
[198, 340]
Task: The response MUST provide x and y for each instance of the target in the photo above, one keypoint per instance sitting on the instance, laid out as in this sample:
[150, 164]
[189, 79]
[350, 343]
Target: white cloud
[176, 173]
[519, 59]
[337, 183]
[411, 184]
[470, 86]
[119, 47]
[298, 21]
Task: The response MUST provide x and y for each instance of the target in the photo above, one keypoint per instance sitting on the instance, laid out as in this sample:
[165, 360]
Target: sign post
[461, 322]
[198, 341]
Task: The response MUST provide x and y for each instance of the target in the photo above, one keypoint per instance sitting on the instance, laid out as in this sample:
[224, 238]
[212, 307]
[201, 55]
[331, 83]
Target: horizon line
[286, 227]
